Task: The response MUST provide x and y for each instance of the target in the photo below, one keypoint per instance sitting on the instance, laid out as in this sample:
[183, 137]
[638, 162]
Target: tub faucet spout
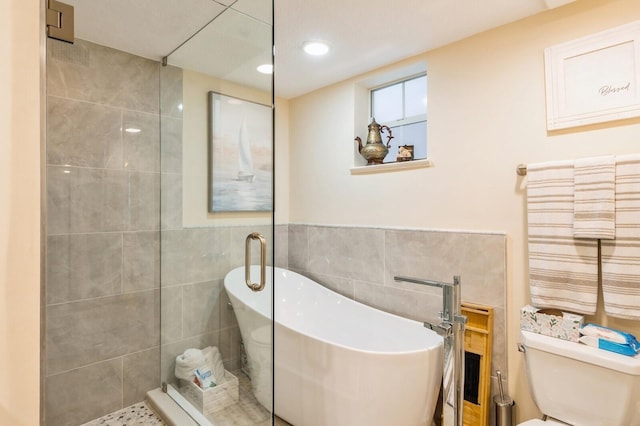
[444, 329]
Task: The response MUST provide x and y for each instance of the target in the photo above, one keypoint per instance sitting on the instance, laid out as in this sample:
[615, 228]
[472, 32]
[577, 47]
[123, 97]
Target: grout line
[128, 231]
[401, 228]
[103, 361]
[102, 232]
[101, 297]
[195, 336]
[182, 312]
[122, 382]
[104, 105]
[308, 259]
[122, 264]
[384, 258]
[122, 139]
[109, 169]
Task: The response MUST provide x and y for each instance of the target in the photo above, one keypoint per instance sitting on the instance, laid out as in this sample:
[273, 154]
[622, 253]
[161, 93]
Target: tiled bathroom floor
[247, 412]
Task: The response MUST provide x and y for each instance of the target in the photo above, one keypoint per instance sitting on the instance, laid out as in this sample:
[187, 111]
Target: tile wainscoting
[360, 263]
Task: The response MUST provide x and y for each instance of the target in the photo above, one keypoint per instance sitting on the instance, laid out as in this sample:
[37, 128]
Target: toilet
[575, 384]
[259, 350]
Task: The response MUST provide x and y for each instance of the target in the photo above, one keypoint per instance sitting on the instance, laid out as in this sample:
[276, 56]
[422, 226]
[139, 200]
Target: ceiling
[363, 34]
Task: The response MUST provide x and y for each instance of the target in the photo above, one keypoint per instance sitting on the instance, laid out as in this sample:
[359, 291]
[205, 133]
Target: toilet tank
[582, 385]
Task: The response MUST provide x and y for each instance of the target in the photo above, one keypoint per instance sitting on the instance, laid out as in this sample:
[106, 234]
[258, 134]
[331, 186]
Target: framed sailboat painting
[240, 155]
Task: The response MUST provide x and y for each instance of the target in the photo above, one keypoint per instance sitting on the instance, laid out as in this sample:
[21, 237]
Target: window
[403, 107]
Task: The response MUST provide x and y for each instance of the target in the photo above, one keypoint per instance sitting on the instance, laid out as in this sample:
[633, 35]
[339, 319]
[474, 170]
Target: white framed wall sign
[594, 79]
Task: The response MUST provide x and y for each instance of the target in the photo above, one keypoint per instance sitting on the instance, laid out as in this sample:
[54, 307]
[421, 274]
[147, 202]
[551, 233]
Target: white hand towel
[187, 363]
[594, 198]
[214, 362]
[621, 257]
[563, 271]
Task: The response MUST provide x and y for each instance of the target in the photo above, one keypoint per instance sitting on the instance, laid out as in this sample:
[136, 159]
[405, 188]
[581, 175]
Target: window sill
[391, 167]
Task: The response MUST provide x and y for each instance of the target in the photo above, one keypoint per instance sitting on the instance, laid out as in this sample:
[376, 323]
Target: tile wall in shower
[103, 215]
[118, 256]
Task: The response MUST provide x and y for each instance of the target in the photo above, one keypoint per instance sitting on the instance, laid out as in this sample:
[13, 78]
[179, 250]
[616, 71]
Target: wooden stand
[478, 343]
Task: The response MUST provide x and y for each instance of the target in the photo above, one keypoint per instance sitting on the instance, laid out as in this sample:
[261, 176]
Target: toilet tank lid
[624, 364]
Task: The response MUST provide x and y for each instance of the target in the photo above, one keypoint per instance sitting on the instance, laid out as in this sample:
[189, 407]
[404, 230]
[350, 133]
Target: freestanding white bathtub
[337, 361]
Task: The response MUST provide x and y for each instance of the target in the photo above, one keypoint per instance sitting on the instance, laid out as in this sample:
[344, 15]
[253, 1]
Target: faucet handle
[460, 319]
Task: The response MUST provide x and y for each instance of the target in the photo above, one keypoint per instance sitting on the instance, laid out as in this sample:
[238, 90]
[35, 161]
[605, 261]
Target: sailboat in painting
[245, 160]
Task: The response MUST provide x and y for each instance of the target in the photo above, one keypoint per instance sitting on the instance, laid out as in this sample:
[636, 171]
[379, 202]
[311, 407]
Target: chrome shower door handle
[263, 261]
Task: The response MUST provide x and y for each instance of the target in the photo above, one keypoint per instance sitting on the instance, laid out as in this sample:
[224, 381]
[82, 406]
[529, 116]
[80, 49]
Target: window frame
[405, 121]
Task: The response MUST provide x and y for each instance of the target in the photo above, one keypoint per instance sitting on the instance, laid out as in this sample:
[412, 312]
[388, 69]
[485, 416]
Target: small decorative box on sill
[551, 322]
[214, 399]
[405, 153]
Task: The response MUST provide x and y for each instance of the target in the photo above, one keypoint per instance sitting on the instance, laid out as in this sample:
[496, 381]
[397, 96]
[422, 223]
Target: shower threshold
[176, 410]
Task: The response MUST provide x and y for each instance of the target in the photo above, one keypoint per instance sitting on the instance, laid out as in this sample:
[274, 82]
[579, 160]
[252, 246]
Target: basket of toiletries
[609, 339]
[204, 381]
[551, 322]
[212, 399]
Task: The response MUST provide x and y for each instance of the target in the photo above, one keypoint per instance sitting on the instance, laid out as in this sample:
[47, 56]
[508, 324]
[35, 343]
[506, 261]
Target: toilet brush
[500, 385]
[503, 406]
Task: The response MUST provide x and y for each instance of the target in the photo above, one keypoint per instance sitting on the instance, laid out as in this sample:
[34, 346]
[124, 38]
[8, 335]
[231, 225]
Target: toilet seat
[538, 422]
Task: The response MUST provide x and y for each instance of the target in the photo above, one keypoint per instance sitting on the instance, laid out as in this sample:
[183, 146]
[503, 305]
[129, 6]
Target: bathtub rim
[438, 343]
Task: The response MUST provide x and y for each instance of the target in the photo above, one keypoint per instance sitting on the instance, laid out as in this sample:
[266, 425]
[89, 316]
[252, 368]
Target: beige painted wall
[486, 115]
[281, 162]
[195, 213]
[486, 112]
[20, 213]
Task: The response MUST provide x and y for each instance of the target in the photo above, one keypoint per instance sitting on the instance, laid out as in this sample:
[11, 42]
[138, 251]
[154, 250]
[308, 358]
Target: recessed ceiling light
[265, 69]
[316, 48]
[132, 130]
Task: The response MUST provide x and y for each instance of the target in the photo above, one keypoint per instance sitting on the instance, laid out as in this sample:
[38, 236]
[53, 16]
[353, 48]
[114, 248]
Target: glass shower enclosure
[159, 165]
[217, 104]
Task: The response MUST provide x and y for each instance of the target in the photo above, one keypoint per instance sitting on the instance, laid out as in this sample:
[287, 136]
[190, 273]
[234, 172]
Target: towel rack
[521, 170]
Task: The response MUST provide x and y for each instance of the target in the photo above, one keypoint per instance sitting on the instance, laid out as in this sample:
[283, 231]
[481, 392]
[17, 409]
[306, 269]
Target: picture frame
[240, 155]
[593, 79]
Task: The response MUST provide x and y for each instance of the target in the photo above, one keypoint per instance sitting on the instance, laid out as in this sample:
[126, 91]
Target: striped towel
[621, 257]
[563, 272]
[594, 199]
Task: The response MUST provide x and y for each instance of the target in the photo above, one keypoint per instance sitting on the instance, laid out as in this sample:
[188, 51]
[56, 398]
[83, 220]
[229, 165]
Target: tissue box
[213, 399]
[551, 322]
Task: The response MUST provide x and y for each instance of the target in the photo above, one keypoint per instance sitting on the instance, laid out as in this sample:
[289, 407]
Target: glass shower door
[216, 131]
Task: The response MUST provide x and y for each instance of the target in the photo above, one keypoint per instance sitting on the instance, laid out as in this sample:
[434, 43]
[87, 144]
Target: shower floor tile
[139, 414]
